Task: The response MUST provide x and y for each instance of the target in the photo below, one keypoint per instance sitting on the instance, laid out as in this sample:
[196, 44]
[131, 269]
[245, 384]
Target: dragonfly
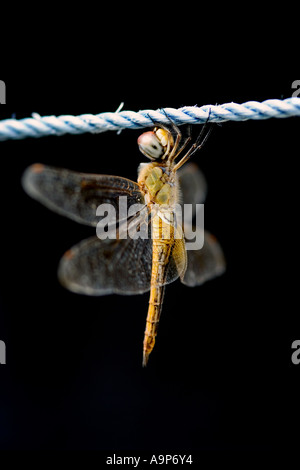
[134, 265]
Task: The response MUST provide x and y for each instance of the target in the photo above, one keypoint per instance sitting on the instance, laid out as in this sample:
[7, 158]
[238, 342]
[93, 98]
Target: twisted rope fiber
[38, 126]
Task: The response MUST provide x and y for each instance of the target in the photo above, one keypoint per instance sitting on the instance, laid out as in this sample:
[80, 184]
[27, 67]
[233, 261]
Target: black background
[220, 376]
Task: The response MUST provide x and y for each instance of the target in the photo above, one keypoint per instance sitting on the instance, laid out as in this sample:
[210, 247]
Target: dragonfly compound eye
[150, 145]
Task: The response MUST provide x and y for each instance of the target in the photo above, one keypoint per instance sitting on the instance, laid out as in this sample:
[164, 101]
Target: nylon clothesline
[39, 126]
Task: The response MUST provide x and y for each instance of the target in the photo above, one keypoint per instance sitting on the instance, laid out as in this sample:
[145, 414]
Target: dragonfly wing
[204, 264]
[178, 259]
[101, 267]
[192, 185]
[119, 265]
[209, 261]
[77, 195]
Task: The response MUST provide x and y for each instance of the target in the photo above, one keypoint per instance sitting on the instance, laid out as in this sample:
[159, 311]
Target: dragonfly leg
[200, 141]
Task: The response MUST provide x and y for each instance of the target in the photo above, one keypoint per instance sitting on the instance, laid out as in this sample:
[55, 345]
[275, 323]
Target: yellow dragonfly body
[126, 265]
[159, 183]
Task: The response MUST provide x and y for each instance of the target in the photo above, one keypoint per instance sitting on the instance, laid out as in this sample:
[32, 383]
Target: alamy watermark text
[133, 222]
[2, 92]
[2, 352]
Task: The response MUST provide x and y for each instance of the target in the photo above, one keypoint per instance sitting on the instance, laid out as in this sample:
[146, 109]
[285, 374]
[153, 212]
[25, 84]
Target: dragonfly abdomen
[153, 316]
[161, 249]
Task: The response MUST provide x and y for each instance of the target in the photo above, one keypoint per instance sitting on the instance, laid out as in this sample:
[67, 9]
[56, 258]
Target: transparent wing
[119, 266]
[209, 261]
[192, 184]
[178, 259]
[206, 263]
[101, 267]
[77, 195]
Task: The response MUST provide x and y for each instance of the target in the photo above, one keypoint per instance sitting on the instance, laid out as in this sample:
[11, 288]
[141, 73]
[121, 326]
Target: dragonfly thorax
[158, 184]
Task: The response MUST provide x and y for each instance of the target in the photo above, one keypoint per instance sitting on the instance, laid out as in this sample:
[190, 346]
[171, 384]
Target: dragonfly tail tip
[145, 359]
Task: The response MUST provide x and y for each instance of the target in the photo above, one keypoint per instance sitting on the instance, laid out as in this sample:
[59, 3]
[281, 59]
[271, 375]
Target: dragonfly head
[156, 144]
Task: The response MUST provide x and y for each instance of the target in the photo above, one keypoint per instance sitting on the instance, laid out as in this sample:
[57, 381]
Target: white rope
[38, 126]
